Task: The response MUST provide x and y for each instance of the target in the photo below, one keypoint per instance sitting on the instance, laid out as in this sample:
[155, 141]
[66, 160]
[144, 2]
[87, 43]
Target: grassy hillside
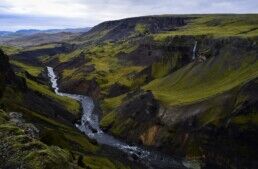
[217, 26]
[151, 89]
[196, 82]
[57, 143]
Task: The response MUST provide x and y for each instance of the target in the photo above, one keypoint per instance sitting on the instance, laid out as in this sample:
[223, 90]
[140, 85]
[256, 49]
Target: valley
[183, 87]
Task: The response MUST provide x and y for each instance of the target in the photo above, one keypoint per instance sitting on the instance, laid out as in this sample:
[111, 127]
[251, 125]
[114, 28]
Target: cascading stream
[90, 126]
[194, 50]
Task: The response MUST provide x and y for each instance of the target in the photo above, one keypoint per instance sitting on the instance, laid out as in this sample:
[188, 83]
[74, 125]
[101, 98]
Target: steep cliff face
[121, 29]
[198, 104]
[7, 76]
[37, 126]
[185, 85]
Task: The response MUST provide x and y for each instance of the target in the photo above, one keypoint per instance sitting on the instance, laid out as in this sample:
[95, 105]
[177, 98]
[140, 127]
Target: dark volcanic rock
[83, 87]
[5, 69]
[32, 55]
[120, 29]
[142, 107]
[117, 89]
[73, 63]
[7, 76]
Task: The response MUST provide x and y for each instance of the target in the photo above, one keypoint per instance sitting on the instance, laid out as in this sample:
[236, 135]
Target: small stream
[194, 50]
[90, 126]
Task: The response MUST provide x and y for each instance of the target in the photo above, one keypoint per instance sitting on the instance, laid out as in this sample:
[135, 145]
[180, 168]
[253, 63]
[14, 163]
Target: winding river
[90, 126]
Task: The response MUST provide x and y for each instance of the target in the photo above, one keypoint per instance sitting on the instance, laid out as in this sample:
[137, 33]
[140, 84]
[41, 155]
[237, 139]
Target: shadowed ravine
[90, 126]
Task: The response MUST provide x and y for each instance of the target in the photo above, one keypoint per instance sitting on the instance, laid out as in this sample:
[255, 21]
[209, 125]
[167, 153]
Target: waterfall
[194, 50]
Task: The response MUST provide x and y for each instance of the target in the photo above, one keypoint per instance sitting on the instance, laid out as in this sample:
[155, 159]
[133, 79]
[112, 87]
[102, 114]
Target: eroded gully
[89, 125]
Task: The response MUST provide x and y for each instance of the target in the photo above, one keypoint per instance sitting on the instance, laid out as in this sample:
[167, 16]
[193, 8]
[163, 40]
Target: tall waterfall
[194, 50]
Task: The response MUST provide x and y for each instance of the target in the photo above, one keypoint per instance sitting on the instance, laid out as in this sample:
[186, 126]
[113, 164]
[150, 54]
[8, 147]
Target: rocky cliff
[183, 85]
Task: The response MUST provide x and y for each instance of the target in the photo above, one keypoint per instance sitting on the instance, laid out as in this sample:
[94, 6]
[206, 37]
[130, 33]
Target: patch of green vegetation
[141, 28]
[110, 104]
[33, 70]
[93, 36]
[68, 139]
[122, 125]
[11, 96]
[71, 105]
[195, 82]
[44, 46]
[82, 140]
[138, 82]
[68, 72]
[121, 75]
[212, 116]
[108, 69]
[64, 57]
[108, 119]
[160, 69]
[10, 50]
[249, 119]
[216, 25]
[95, 162]
[27, 151]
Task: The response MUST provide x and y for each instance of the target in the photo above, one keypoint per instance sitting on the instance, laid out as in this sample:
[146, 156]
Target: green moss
[9, 50]
[108, 69]
[122, 125]
[71, 105]
[52, 157]
[196, 82]
[160, 69]
[95, 162]
[9, 129]
[108, 120]
[81, 140]
[216, 25]
[33, 70]
[110, 104]
[64, 57]
[141, 28]
[27, 151]
[212, 116]
[44, 46]
[138, 82]
[250, 119]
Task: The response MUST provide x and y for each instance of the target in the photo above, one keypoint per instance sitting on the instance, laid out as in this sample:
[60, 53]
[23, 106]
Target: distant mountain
[25, 32]
[4, 33]
[30, 37]
[28, 32]
[69, 30]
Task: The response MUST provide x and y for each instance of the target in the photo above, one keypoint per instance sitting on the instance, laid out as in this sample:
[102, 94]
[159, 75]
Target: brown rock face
[149, 137]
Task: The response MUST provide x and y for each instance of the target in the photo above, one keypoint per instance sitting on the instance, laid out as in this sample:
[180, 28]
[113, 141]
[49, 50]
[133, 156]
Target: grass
[33, 70]
[216, 25]
[141, 28]
[246, 119]
[108, 119]
[95, 162]
[71, 105]
[29, 152]
[66, 57]
[110, 104]
[44, 46]
[9, 50]
[108, 69]
[196, 82]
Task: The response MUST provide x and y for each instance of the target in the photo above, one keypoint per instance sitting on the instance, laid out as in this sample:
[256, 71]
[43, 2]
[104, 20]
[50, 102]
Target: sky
[50, 14]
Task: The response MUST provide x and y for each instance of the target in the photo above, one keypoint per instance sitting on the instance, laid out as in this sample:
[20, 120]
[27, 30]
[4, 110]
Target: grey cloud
[96, 11]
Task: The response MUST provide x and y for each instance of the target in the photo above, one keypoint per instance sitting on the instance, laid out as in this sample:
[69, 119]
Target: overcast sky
[47, 14]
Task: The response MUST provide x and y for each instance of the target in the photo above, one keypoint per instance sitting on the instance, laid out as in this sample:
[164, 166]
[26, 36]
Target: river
[89, 125]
